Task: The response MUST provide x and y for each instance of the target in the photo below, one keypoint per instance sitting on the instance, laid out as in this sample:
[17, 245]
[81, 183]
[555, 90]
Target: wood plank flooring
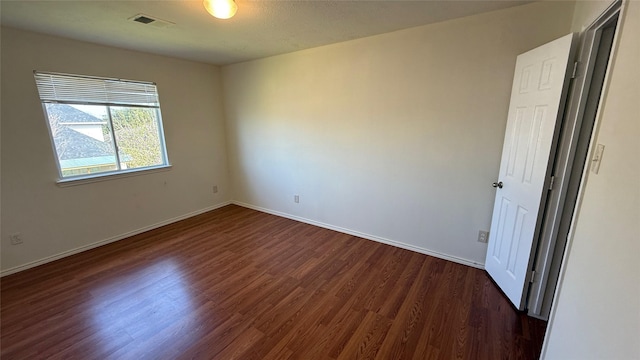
[239, 284]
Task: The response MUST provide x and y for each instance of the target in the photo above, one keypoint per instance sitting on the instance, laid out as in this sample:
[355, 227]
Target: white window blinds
[55, 87]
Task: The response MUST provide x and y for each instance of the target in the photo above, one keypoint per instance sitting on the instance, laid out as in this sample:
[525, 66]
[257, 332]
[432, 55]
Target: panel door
[535, 111]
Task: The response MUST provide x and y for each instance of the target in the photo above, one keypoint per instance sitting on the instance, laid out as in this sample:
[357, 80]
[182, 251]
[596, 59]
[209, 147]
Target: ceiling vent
[150, 20]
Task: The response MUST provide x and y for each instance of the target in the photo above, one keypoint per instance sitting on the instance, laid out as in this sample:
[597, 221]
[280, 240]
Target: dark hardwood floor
[239, 284]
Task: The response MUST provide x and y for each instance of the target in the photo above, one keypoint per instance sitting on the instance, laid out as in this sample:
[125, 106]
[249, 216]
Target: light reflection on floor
[153, 302]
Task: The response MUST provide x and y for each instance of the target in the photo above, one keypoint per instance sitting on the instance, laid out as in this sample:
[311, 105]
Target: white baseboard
[365, 236]
[249, 206]
[80, 249]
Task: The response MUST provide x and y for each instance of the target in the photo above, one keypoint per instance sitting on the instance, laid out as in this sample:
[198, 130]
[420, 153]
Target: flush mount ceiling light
[221, 9]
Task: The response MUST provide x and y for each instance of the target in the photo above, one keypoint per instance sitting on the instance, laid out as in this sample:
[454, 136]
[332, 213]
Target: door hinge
[532, 279]
[575, 70]
[553, 180]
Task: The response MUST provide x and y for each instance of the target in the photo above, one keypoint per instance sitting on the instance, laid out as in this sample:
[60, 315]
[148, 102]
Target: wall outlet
[483, 236]
[215, 189]
[16, 238]
[296, 199]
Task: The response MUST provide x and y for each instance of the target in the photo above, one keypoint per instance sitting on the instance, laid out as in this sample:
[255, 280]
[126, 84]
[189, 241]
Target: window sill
[81, 180]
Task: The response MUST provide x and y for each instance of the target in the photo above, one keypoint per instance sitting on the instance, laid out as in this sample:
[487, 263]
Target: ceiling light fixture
[221, 9]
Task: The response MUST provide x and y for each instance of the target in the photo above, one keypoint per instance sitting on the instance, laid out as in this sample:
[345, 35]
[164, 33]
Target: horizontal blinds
[55, 87]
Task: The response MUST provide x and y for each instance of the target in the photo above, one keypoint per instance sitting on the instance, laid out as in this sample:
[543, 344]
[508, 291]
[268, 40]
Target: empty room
[235, 179]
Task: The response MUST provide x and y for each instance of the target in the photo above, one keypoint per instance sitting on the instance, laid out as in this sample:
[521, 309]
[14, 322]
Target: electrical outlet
[296, 199]
[483, 236]
[215, 189]
[16, 238]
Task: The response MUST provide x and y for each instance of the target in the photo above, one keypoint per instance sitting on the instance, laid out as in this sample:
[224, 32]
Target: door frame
[569, 163]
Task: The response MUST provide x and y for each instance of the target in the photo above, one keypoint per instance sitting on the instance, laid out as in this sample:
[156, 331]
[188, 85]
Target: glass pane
[82, 139]
[137, 136]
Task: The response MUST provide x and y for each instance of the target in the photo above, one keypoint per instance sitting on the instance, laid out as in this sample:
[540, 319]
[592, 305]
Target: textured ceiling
[259, 29]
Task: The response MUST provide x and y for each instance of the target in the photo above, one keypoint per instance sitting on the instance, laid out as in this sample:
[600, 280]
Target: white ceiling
[259, 29]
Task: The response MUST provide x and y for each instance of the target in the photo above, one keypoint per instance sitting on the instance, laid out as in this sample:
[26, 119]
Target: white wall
[397, 136]
[54, 220]
[596, 313]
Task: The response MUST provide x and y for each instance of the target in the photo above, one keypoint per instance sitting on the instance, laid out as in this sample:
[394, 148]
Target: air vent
[143, 19]
[150, 20]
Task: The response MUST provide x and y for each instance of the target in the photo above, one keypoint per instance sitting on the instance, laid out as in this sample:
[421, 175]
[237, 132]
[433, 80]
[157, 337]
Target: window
[102, 126]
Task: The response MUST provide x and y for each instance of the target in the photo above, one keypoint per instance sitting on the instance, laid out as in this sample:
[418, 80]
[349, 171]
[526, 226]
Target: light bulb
[221, 9]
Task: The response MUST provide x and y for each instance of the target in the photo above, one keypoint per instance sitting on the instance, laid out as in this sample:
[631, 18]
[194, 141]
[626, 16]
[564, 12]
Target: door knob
[497, 184]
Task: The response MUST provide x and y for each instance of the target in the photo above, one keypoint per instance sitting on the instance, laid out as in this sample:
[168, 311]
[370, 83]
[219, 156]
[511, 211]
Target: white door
[535, 112]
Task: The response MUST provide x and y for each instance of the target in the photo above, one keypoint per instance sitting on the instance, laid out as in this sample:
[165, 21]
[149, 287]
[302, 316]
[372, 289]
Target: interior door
[535, 111]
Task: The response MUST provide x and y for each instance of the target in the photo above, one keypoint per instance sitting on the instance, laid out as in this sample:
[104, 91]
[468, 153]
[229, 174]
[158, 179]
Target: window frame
[69, 180]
